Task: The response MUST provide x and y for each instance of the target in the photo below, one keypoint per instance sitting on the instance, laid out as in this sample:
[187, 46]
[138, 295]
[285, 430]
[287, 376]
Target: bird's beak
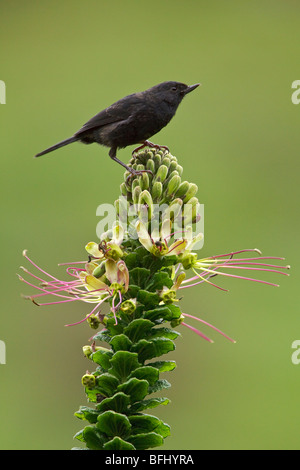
[191, 88]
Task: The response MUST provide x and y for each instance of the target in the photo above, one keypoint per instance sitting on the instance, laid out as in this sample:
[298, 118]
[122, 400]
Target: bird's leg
[112, 154]
[147, 143]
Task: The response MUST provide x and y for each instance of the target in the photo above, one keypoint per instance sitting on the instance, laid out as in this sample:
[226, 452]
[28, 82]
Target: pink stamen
[211, 326]
[91, 313]
[200, 282]
[198, 332]
[37, 267]
[255, 269]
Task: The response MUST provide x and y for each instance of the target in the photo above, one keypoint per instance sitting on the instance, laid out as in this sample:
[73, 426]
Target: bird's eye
[174, 88]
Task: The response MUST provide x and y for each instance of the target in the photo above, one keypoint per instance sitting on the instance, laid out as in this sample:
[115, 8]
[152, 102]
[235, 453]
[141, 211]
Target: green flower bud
[123, 189]
[173, 166]
[161, 173]
[170, 176]
[128, 306]
[145, 199]
[140, 167]
[136, 194]
[179, 169]
[99, 271]
[93, 321]
[144, 181]
[150, 154]
[168, 296]
[156, 191]
[150, 165]
[174, 209]
[192, 190]
[157, 161]
[187, 259]
[135, 183]
[166, 161]
[182, 190]
[87, 351]
[173, 185]
[88, 380]
[191, 211]
[121, 206]
[116, 287]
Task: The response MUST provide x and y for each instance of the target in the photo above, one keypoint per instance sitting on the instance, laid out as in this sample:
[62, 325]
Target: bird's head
[172, 92]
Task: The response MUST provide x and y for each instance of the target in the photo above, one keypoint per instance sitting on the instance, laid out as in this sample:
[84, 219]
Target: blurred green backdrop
[238, 139]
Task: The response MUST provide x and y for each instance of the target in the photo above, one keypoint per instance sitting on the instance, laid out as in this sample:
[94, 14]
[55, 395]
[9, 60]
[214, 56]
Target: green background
[237, 138]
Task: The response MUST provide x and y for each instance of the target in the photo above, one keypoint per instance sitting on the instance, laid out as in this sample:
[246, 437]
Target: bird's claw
[147, 143]
[134, 173]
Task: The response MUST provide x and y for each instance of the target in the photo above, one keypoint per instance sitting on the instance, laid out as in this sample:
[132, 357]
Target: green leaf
[144, 441]
[120, 342]
[123, 363]
[93, 437]
[158, 313]
[139, 276]
[131, 261]
[118, 402]
[89, 414]
[102, 336]
[147, 423]
[175, 312]
[158, 281]
[132, 292]
[159, 385]
[165, 332]
[118, 444]
[114, 424]
[102, 358]
[114, 329]
[163, 366]
[170, 260]
[107, 384]
[138, 329]
[150, 403]
[141, 252]
[154, 348]
[151, 374]
[149, 299]
[135, 388]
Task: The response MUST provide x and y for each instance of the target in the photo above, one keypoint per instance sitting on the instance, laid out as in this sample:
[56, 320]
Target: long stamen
[238, 277]
[37, 267]
[91, 313]
[255, 269]
[198, 332]
[208, 324]
[202, 280]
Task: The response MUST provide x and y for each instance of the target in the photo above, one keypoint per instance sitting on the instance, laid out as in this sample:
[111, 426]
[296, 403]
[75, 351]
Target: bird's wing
[119, 111]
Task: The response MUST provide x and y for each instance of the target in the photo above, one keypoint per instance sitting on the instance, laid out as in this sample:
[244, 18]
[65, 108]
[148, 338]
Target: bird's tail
[57, 146]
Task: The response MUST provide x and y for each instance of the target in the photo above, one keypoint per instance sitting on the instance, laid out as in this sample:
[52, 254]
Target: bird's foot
[147, 143]
[134, 173]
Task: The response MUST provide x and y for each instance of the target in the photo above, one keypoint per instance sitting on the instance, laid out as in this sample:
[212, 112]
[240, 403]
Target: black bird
[131, 120]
